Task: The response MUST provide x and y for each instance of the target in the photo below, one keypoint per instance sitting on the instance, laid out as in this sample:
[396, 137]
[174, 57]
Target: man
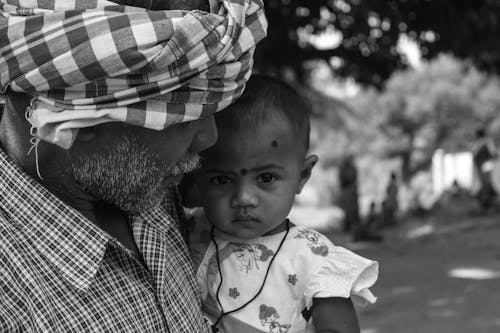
[72, 256]
[88, 236]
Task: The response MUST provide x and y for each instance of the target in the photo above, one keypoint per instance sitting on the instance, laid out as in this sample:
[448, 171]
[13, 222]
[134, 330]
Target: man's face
[131, 167]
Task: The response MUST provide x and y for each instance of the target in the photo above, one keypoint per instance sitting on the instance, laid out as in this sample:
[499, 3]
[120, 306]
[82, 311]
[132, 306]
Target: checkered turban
[88, 62]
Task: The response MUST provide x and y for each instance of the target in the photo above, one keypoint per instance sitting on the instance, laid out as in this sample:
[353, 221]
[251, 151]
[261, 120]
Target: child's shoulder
[312, 235]
[319, 244]
[321, 247]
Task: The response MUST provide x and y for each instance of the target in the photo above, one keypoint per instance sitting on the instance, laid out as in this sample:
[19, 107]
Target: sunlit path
[437, 279]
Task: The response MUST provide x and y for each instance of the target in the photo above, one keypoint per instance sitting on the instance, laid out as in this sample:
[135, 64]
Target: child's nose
[244, 197]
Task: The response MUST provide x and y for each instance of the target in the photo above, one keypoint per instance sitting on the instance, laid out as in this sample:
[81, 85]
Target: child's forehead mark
[243, 172]
[274, 143]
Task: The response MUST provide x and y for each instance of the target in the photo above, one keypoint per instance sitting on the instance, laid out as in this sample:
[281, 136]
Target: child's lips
[245, 219]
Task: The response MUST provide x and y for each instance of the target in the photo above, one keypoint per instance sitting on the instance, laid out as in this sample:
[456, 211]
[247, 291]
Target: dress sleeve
[343, 274]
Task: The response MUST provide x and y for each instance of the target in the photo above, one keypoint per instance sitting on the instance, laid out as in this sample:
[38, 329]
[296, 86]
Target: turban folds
[87, 62]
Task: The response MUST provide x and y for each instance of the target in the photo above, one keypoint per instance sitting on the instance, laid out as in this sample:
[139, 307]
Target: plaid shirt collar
[64, 236]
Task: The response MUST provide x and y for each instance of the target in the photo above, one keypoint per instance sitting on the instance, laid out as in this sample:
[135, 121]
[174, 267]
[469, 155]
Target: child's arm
[334, 315]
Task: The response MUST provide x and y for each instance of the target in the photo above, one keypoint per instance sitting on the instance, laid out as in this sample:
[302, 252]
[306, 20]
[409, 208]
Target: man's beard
[126, 174]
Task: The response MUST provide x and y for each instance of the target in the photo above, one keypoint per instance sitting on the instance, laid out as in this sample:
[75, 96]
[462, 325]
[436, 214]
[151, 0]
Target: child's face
[248, 180]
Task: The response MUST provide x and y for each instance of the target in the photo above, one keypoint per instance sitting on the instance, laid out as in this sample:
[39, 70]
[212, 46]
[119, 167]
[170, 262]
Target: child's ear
[305, 173]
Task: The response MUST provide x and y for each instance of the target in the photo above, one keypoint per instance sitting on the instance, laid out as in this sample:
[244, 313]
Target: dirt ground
[437, 275]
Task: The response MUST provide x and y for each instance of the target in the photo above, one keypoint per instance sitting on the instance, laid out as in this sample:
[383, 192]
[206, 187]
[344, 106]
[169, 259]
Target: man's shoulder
[15, 251]
[13, 264]
[9, 232]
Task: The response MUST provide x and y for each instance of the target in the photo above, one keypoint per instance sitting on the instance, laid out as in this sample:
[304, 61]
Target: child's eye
[221, 180]
[267, 178]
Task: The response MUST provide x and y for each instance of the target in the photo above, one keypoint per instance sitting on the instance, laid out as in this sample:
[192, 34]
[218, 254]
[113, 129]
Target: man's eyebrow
[266, 167]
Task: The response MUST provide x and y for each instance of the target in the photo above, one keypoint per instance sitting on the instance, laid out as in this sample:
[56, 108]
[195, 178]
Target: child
[258, 272]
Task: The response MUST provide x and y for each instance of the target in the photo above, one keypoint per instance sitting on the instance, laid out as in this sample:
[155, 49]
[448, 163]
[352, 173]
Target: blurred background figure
[369, 228]
[348, 201]
[391, 204]
[484, 154]
[456, 190]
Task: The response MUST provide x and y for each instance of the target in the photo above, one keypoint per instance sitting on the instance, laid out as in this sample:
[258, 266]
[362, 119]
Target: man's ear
[86, 134]
[305, 173]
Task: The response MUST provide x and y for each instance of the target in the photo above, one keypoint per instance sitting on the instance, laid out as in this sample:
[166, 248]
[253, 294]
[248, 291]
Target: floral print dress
[307, 266]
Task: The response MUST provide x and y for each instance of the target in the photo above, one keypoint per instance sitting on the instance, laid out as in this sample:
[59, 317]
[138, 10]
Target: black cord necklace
[222, 314]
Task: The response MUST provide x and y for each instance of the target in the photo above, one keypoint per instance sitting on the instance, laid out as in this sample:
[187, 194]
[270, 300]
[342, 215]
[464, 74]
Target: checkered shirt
[87, 62]
[60, 273]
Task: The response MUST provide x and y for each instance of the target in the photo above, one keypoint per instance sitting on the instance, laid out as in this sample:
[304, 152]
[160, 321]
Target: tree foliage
[440, 106]
[368, 32]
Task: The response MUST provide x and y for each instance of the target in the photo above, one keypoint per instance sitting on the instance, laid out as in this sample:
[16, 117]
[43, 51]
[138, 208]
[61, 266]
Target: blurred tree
[439, 106]
[359, 38]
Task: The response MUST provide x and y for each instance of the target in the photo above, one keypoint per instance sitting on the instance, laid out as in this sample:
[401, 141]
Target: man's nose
[244, 197]
[206, 134]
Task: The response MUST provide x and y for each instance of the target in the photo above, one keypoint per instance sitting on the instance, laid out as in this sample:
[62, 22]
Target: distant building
[448, 168]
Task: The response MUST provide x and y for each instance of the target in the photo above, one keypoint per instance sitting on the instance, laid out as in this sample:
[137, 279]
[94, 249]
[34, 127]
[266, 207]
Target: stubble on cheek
[122, 173]
[189, 164]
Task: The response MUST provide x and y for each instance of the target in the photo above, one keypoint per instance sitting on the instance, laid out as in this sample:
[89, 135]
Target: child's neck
[280, 228]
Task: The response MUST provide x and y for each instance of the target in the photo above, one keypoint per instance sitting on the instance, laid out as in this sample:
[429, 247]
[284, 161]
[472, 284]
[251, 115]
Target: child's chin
[247, 234]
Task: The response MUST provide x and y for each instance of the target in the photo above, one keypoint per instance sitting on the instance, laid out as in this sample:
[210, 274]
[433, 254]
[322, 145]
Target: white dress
[307, 266]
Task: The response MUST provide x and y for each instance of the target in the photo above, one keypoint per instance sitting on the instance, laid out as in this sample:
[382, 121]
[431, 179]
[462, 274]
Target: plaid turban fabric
[88, 62]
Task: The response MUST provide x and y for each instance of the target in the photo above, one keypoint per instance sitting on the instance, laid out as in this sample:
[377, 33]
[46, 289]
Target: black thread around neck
[222, 314]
